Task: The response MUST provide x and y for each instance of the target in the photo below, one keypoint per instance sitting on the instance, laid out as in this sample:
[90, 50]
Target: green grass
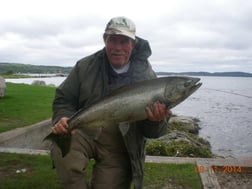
[40, 175]
[24, 104]
[172, 175]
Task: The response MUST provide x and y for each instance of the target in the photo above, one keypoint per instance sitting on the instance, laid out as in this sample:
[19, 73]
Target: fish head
[177, 89]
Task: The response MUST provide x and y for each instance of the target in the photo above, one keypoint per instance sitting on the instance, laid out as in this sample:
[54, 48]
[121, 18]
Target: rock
[38, 82]
[189, 124]
[179, 135]
[2, 87]
[181, 140]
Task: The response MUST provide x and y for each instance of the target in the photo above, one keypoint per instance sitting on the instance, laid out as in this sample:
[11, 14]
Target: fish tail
[62, 141]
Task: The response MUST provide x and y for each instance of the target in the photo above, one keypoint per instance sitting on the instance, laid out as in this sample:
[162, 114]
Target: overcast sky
[185, 35]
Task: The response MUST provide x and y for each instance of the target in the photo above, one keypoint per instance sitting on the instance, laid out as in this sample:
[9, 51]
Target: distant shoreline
[214, 74]
[16, 68]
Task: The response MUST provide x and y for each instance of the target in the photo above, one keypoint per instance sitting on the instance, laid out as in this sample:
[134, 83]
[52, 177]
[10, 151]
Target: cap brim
[119, 32]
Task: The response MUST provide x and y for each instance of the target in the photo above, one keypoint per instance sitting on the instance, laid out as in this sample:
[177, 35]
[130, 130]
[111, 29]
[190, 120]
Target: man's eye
[120, 41]
[124, 41]
[111, 39]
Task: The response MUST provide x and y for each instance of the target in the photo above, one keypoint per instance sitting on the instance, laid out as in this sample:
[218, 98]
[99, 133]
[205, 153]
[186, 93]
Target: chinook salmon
[128, 103]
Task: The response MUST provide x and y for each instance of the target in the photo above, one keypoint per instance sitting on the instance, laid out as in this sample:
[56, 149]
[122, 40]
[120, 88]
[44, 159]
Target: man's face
[118, 49]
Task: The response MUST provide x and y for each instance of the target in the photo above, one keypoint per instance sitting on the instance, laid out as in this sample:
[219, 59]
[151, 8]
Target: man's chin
[118, 64]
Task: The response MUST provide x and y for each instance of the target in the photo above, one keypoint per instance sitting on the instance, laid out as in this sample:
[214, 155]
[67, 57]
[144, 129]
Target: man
[119, 158]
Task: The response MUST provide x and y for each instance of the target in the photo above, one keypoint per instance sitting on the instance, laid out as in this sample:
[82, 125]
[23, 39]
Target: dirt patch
[11, 171]
[239, 177]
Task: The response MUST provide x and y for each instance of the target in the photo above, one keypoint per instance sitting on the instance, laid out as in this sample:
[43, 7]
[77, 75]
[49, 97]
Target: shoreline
[31, 137]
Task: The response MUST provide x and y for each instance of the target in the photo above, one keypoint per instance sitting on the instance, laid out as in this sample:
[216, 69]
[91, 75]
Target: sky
[185, 35]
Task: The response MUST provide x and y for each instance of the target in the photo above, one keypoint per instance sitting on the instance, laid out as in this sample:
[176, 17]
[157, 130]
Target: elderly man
[119, 159]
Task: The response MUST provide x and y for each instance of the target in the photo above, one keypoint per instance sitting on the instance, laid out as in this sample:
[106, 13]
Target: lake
[222, 104]
[224, 107]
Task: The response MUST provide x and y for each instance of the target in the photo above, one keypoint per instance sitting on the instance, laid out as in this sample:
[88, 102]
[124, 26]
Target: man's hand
[158, 112]
[61, 126]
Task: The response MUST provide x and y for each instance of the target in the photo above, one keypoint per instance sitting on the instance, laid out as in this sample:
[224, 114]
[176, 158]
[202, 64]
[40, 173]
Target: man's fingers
[61, 126]
[59, 129]
[149, 113]
[159, 110]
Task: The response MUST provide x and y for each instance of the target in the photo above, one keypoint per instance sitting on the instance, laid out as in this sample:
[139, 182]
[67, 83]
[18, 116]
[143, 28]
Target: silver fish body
[129, 102]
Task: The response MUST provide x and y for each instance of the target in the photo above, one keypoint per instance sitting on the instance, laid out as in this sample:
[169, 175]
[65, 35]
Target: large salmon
[128, 103]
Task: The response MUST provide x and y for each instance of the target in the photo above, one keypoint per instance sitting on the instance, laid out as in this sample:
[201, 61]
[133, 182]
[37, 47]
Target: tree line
[13, 68]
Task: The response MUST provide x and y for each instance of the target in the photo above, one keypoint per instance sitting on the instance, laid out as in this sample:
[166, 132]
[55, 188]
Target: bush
[177, 148]
[156, 148]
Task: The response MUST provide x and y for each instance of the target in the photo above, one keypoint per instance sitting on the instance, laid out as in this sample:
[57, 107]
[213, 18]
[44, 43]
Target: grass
[40, 175]
[172, 175]
[24, 105]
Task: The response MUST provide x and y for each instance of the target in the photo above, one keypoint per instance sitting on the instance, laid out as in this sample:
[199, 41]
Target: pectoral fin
[124, 127]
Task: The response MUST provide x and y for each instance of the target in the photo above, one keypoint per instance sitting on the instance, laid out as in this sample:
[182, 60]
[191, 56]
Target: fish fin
[62, 141]
[124, 127]
[161, 99]
[49, 137]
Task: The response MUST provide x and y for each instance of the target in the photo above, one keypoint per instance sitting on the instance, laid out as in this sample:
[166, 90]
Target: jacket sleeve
[151, 129]
[65, 103]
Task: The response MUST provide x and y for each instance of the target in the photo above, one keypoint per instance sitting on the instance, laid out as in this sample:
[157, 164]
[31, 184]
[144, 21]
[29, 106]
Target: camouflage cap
[121, 26]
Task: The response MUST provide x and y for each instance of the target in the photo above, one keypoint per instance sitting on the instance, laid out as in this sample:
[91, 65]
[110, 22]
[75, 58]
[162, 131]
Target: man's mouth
[118, 54]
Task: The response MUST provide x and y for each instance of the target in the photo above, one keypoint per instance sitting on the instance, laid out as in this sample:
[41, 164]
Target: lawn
[24, 171]
[25, 105]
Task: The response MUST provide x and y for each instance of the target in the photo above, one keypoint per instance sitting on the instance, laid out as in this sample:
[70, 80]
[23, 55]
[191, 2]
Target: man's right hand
[61, 126]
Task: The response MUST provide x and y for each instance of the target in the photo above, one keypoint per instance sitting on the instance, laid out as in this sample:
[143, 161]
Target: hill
[215, 74]
[28, 68]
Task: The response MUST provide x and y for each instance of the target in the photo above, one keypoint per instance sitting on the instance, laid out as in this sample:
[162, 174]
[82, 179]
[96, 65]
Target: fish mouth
[193, 84]
[191, 81]
[197, 84]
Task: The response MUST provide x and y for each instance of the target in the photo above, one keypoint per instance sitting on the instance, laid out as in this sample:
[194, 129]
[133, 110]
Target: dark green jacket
[88, 82]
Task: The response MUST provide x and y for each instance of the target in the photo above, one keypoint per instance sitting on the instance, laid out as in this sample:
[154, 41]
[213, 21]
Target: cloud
[210, 38]
[185, 35]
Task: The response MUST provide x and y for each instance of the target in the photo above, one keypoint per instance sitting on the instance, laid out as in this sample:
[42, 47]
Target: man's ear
[104, 37]
[134, 43]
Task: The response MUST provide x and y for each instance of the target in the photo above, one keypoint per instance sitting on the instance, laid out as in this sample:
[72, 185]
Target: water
[224, 107]
[222, 104]
[48, 80]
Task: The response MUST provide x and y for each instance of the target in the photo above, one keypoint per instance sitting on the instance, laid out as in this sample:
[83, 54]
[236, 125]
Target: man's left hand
[158, 112]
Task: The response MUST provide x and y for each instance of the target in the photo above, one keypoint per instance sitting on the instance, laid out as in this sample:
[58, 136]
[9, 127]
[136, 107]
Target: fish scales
[128, 103]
